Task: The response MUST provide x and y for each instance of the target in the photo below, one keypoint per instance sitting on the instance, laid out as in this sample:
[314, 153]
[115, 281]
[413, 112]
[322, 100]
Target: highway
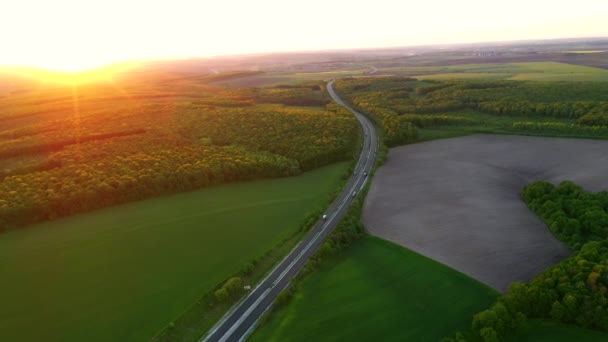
[240, 320]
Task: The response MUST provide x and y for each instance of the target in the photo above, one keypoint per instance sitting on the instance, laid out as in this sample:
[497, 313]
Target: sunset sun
[69, 63]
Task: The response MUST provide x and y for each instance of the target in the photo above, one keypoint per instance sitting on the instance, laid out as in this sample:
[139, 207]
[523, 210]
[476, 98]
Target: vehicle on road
[365, 173]
[239, 321]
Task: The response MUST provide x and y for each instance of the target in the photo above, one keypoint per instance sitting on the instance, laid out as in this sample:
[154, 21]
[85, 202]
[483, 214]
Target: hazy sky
[69, 34]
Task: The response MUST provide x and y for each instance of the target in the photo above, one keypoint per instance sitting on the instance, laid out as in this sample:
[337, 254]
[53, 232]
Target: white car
[324, 217]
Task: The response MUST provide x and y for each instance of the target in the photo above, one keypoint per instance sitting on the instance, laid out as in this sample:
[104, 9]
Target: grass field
[488, 123]
[534, 71]
[123, 273]
[273, 79]
[543, 331]
[496, 124]
[378, 291]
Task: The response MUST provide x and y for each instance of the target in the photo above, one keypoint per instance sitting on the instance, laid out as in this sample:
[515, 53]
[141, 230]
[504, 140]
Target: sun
[72, 72]
[71, 62]
[70, 65]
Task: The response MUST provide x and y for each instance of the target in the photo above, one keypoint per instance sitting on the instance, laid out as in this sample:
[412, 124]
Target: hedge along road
[241, 319]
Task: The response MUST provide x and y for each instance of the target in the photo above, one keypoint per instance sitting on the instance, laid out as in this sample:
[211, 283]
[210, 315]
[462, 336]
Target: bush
[247, 268]
[221, 294]
[233, 286]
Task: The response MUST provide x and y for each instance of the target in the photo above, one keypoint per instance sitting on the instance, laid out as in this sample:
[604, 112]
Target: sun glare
[73, 36]
[71, 74]
[65, 64]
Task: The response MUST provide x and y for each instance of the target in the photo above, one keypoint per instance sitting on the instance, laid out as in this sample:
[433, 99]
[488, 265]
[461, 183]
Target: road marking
[244, 316]
[367, 128]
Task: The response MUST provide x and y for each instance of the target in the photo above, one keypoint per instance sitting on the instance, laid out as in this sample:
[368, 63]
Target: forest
[73, 149]
[408, 109]
[575, 291]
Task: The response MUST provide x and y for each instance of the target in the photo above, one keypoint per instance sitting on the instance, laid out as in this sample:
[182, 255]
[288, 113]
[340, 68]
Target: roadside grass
[376, 290]
[123, 273]
[197, 320]
[541, 331]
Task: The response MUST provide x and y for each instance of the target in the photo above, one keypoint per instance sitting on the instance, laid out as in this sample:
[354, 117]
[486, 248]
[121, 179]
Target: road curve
[240, 320]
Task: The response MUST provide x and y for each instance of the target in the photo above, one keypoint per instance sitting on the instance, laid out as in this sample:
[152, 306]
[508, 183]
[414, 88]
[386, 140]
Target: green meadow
[379, 291]
[532, 71]
[543, 331]
[273, 79]
[123, 273]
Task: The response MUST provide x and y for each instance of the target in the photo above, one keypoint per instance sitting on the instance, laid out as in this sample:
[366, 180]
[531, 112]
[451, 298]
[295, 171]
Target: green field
[494, 124]
[378, 291]
[123, 273]
[533, 71]
[543, 331]
[273, 79]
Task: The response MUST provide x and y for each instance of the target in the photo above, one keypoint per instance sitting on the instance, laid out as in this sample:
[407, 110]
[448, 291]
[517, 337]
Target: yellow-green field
[534, 71]
[273, 79]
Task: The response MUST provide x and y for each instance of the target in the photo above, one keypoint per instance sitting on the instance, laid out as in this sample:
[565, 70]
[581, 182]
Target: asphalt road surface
[241, 319]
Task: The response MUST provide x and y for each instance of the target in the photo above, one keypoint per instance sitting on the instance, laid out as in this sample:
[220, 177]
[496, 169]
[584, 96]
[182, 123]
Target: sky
[68, 35]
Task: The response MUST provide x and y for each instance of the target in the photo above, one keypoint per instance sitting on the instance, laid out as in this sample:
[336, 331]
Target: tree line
[581, 107]
[575, 291]
[113, 149]
[561, 128]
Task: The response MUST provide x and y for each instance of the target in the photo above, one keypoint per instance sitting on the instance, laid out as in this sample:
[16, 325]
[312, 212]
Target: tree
[221, 294]
[488, 335]
[558, 312]
[233, 286]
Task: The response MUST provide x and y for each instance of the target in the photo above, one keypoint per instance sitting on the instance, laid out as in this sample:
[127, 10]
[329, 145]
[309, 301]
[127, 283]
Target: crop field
[533, 71]
[585, 51]
[378, 291]
[274, 79]
[122, 273]
[474, 184]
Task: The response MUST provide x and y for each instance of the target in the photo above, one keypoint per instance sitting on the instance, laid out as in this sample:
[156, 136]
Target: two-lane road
[241, 319]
